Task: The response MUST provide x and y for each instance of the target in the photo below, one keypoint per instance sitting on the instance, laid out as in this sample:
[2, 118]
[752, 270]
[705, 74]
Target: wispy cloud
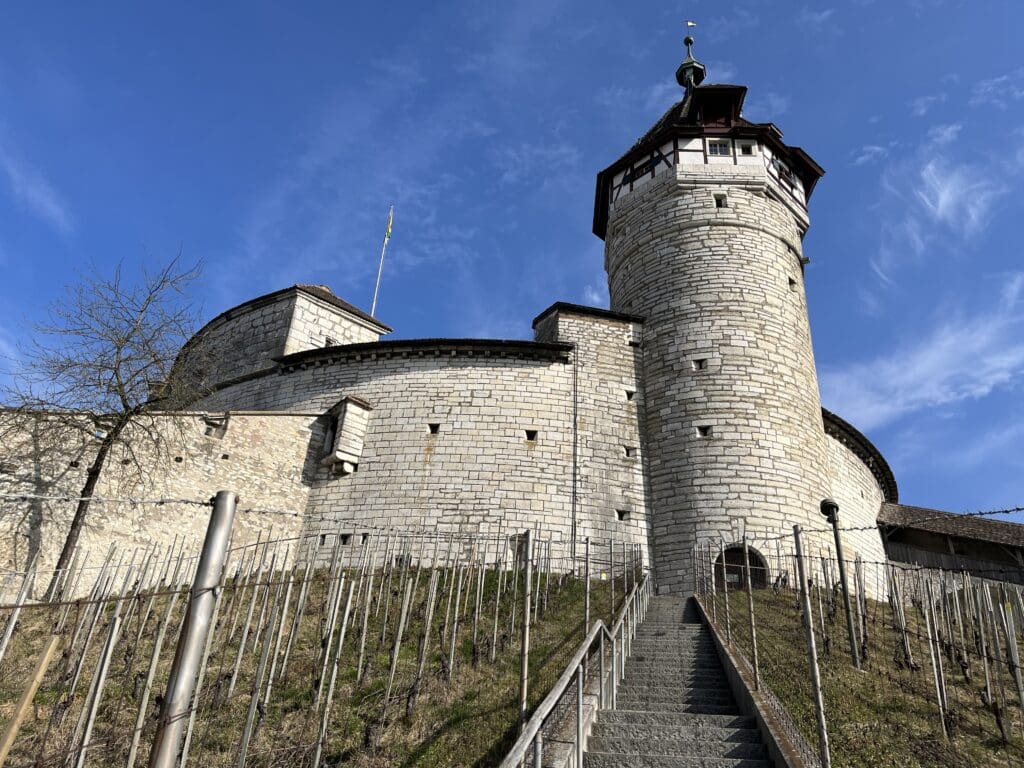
[962, 358]
[31, 189]
[767, 106]
[999, 91]
[869, 153]
[940, 135]
[534, 162]
[721, 71]
[811, 18]
[930, 195]
[920, 106]
[596, 294]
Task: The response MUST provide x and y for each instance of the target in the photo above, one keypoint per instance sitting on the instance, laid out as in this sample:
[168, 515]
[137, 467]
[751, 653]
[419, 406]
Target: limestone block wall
[314, 322]
[240, 341]
[859, 496]
[265, 458]
[611, 497]
[731, 409]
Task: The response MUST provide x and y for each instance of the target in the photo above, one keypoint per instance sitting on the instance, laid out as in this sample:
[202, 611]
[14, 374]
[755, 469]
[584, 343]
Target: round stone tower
[702, 221]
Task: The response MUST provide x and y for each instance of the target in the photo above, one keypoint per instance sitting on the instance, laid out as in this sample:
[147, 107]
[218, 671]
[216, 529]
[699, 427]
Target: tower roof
[705, 110]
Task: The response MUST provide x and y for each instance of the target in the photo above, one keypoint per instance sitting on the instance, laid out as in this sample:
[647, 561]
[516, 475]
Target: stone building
[688, 412]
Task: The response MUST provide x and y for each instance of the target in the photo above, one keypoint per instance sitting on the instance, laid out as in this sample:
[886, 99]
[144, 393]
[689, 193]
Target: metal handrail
[530, 737]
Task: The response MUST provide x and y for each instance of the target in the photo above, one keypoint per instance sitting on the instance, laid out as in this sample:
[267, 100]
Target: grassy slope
[468, 722]
[885, 715]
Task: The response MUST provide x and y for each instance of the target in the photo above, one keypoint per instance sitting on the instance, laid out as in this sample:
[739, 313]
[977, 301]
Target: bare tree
[102, 367]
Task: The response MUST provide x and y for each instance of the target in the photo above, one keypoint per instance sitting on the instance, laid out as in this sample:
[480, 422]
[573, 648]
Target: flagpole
[380, 267]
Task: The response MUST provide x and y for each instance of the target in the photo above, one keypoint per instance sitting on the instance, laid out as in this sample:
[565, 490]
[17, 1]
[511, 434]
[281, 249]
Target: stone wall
[731, 411]
[314, 322]
[266, 458]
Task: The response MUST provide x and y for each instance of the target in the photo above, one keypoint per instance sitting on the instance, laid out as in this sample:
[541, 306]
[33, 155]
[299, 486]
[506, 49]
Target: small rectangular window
[531, 435]
[323, 539]
[345, 538]
[434, 427]
[329, 341]
[635, 344]
[622, 514]
[721, 201]
[719, 147]
[630, 394]
[630, 451]
[704, 430]
[747, 149]
[699, 364]
[792, 284]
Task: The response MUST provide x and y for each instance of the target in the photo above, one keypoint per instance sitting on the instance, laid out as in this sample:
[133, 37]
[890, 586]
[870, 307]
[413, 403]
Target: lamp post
[830, 510]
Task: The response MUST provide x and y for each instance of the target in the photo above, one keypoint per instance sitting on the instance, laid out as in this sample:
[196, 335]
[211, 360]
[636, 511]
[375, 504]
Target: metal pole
[725, 593]
[579, 713]
[586, 588]
[524, 650]
[750, 609]
[831, 510]
[812, 653]
[180, 684]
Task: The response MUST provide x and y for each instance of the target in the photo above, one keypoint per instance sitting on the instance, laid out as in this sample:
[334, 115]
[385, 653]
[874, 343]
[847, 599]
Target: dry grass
[885, 715]
[470, 721]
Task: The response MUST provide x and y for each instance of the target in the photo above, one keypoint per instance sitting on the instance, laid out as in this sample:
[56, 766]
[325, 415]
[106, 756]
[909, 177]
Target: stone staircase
[675, 708]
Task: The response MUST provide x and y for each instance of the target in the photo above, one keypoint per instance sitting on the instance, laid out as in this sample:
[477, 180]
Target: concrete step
[631, 717]
[699, 730]
[623, 760]
[680, 747]
[688, 707]
[654, 697]
[648, 678]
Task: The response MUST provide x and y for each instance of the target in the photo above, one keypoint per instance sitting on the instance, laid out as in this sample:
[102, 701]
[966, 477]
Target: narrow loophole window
[700, 364]
[630, 394]
[704, 430]
[345, 538]
[329, 341]
[630, 451]
[635, 344]
[721, 201]
[622, 514]
[323, 539]
[225, 456]
[531, 435]
[792, 284]
[434, 428]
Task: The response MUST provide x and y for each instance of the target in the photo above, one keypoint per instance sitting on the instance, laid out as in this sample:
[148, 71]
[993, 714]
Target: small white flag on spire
[691, 24]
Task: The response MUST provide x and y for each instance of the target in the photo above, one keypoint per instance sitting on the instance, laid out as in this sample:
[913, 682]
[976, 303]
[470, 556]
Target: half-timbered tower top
[705, 127]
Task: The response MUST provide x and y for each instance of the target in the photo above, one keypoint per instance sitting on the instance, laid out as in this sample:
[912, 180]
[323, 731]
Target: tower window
[630, 394]
[345, 538]
[329, 341]
[434, 427]
[746, 149]
[719, 147]
[630, 451]
[699, 364]
[721, 201]
[531, 435]
[704, 430]
[622, 514]
[792, 284]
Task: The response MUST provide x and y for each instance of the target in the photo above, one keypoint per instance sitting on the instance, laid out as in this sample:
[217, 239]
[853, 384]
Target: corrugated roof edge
[513, 347]
[952, 524]
[852, 438]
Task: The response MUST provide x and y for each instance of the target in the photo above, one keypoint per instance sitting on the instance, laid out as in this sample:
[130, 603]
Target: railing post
[615, 671]
[579, 713]
[713, 585]
[586, 589]
[604, 671]
[538, 750]
[524, 650]
[750, 609]
[182, 679]
[812, 653]
[725, 594]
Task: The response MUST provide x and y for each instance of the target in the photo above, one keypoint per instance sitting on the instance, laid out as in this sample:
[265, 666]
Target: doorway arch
[734, 571]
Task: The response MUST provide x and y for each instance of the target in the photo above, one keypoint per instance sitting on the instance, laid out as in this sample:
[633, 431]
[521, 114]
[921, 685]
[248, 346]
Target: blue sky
[268, 140]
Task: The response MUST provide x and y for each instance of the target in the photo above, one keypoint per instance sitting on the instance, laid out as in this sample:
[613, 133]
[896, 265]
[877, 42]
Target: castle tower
[702, 221]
